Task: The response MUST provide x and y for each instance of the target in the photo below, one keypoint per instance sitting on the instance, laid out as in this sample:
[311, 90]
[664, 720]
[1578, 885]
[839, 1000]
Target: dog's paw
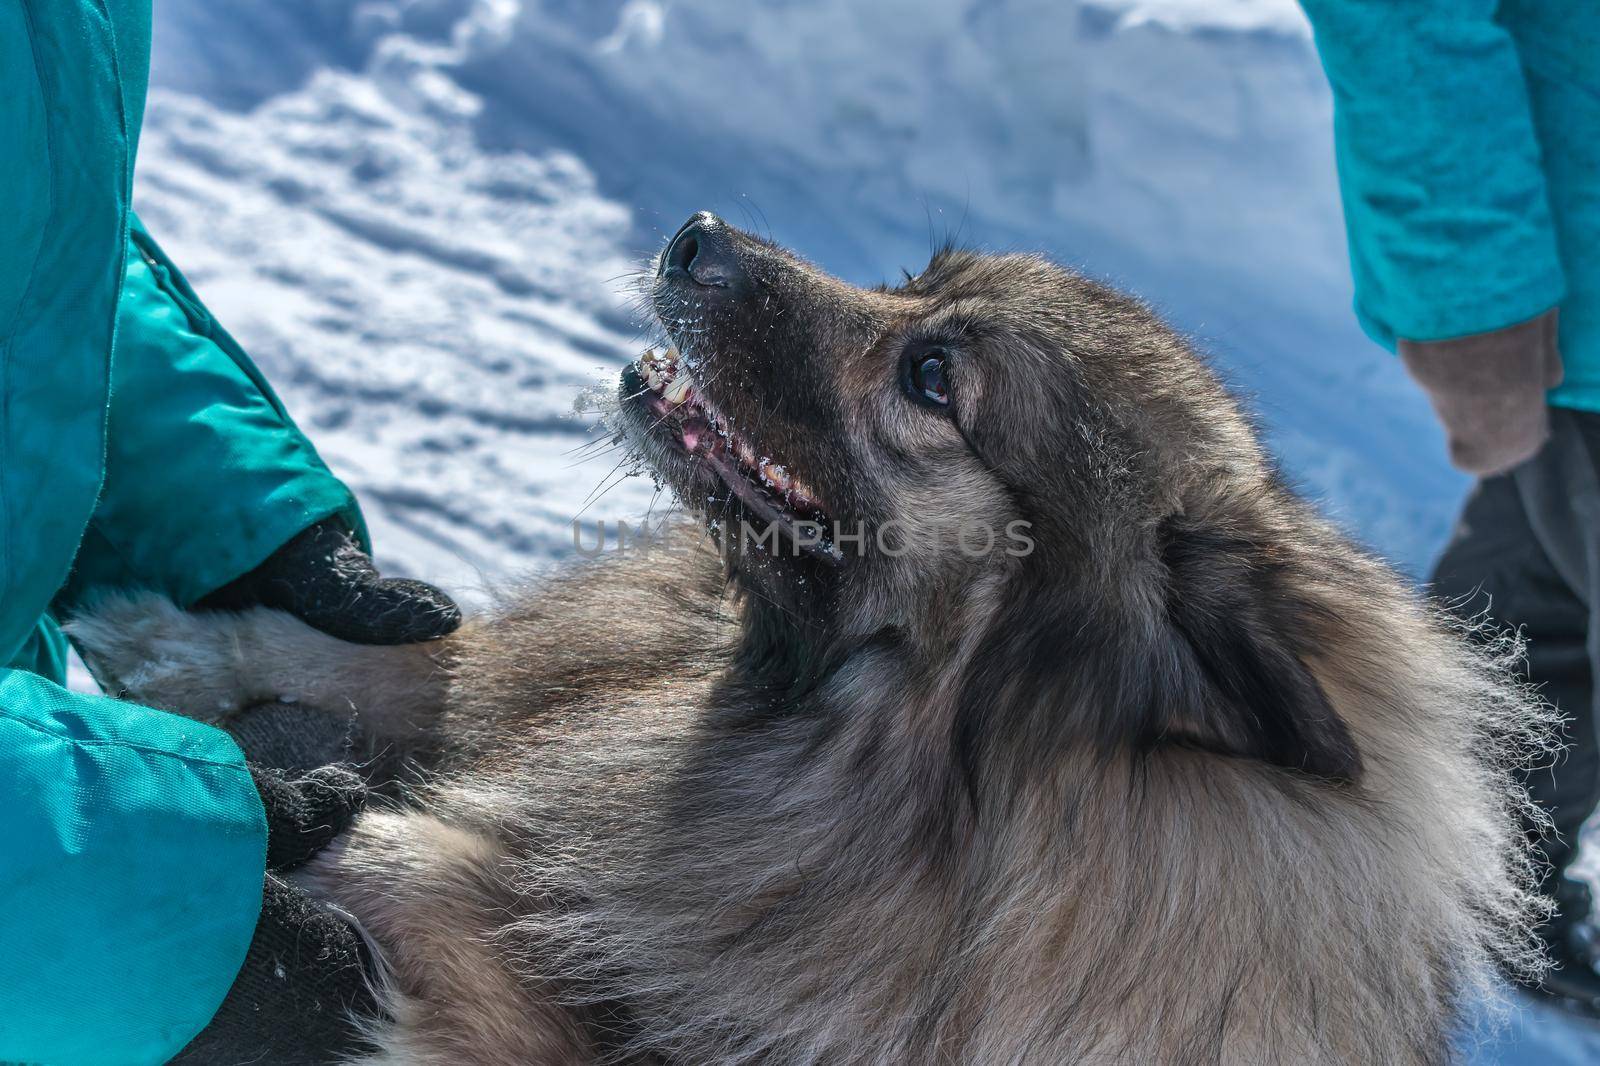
[211, 665]
[206, 665]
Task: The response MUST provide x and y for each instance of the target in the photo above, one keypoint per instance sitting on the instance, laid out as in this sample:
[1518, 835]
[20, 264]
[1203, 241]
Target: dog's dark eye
[925, 379]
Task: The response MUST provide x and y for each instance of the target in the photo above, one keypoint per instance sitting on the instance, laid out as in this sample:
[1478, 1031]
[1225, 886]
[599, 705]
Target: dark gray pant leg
[1526, 550]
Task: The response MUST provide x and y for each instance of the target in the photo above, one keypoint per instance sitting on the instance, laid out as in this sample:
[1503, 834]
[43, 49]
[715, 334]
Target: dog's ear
[1247, 691]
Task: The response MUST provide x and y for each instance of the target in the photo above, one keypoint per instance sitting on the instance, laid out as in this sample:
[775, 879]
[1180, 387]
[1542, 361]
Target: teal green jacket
[138, 447]
[1467, 134]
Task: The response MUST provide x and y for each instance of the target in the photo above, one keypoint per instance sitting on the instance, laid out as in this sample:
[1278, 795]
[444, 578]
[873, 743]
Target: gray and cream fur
[1192, 781]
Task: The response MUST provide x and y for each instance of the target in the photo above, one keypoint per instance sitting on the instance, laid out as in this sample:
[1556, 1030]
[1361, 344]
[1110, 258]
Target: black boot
[1573, 942]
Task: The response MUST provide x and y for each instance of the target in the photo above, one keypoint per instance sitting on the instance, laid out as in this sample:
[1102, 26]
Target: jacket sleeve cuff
[1488, 390]
[134, 849]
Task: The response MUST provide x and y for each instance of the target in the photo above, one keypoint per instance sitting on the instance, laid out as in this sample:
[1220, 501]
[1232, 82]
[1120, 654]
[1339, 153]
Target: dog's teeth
[775, 475]
[679, 390]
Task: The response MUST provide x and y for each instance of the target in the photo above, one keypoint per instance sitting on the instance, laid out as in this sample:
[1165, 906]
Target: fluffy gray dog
[1014, 711]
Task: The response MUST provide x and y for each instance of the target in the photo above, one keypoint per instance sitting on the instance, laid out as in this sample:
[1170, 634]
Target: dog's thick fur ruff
[1195, 782]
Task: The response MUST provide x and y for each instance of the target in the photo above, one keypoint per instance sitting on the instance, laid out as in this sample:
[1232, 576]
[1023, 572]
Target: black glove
[305, 813]
[322, 577]
[305, 977]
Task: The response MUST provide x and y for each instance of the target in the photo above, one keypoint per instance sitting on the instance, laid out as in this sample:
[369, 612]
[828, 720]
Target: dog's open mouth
[764, 484]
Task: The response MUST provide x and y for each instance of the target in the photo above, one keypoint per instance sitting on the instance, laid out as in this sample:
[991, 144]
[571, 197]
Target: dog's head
[1005, 465]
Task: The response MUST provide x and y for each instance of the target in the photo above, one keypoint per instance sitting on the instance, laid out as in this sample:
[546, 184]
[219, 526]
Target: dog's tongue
[694, 431]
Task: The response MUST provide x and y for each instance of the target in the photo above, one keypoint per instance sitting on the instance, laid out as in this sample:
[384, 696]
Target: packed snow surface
[426, 220]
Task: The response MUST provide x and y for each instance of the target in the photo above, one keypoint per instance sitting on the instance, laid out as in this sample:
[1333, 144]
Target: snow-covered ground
[422, 218]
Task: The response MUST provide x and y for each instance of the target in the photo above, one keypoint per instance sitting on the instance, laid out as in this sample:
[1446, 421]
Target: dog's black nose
[703, 252]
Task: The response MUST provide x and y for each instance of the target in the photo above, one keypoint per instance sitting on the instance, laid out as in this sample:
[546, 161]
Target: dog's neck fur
[1048, 898]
